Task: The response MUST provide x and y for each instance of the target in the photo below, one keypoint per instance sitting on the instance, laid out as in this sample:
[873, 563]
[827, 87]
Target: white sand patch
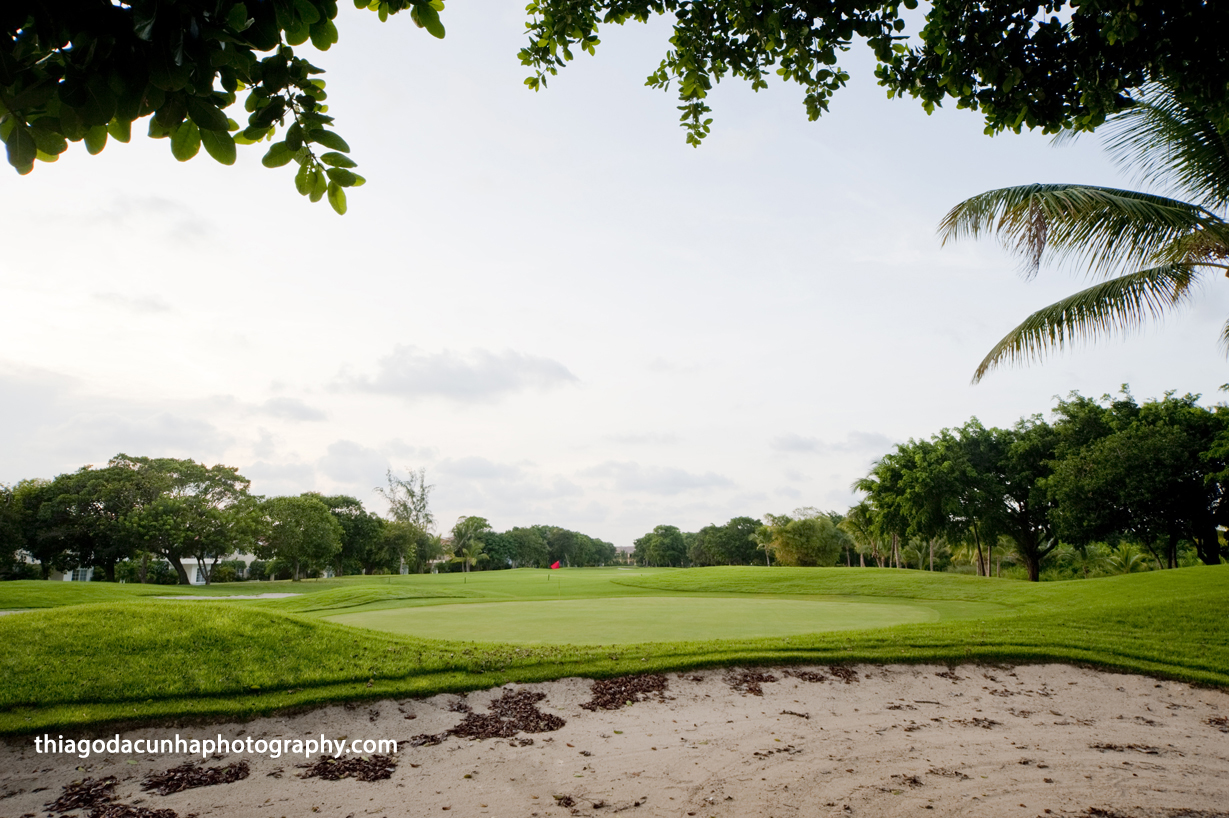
[898, 741]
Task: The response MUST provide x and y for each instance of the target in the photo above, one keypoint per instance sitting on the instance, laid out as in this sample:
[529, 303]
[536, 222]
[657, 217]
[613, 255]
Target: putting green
[622, 620]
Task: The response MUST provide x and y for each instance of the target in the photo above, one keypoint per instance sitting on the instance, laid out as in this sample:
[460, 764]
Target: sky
[549, 301]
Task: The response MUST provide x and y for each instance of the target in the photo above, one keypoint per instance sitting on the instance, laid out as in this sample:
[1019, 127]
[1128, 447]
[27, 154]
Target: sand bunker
[1041, 740]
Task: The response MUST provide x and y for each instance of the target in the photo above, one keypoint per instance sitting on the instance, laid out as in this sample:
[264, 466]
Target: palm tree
[1127, 559]
[1148, 252]
[467, 545]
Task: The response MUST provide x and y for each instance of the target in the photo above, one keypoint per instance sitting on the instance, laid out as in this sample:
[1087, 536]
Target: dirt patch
[427, 739]
[191, 775]
[376, 768]
[1122, 748]
[612, 694]
[984, 724]
[513, 712]
[1219, 722]
[129, 811]
[807, 675]
[749, 681]
[85, 794]
[846, 674]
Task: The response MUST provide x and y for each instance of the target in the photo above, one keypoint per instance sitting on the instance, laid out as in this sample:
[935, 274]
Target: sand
[891, 740]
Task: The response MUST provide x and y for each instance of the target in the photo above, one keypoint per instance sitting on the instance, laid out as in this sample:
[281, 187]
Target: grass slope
[132, 658]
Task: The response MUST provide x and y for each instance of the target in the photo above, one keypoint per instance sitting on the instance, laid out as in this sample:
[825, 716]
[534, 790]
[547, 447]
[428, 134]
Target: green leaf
[21, 150]
[237, 18]
[46, 136]
[428, 18]
[220, 145]
[341, 176]
[324, 34]
[96, 139]
[99, 101]
[319, 185]
[329, 140]
[252, 134]
[278, 155]
[338, 160]
[157, 130]
[120, 129]
[206, 116]
[303, 179]
[185, 141]
[308, 12]
[337, 198]
[294, 137]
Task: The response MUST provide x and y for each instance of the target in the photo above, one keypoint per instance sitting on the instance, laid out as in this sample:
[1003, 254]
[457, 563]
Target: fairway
[622, 620]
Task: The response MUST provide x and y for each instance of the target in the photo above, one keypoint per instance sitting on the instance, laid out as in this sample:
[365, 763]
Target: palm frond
[1120, 304]
[1224, 339]
[1105, 229]
[1164, 142]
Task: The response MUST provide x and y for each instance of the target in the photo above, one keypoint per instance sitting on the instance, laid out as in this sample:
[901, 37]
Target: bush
[279, 569]
[20, 570]
[258, 570]
[224, 573]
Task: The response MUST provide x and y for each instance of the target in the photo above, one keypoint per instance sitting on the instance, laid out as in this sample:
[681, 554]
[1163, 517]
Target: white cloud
[645, 439]
[137, 304]
[290, 409]
[476, 376]
[478, 468]
[630, 476]
[855, 442]
[351, 463]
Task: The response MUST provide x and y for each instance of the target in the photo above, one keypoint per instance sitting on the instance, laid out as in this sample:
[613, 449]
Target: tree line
[1109, 485]
[139, 519]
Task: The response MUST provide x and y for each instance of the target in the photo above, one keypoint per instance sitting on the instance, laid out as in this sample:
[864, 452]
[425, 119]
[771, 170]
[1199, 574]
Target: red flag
[556, 565]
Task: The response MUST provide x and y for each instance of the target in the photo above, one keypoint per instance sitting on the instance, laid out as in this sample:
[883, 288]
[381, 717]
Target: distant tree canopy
[302, 532]
[663, 547]
[1049, 64]
[806, 538]
[539, 546]
[138, 519]
[730, 544]
[1152, 474]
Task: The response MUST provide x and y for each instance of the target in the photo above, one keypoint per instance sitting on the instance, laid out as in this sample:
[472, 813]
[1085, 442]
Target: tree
[86, 70]
[530, 547]
[402, 544]
[808, 538]
[1150, 251]
[664, 546]
[189, 509]
[1157, 476]
[50, 552]
[84, 513]
[730, 544]
[362, 542]
[302, 532]
[1017, 62]
[970, 482]
[467, 534]
[409, 499]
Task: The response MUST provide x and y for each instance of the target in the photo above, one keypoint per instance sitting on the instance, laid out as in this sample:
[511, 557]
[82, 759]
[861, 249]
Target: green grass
[652, 619]
[107, 653]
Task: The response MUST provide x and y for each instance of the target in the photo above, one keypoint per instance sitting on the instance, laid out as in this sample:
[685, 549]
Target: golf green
[622, 620]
